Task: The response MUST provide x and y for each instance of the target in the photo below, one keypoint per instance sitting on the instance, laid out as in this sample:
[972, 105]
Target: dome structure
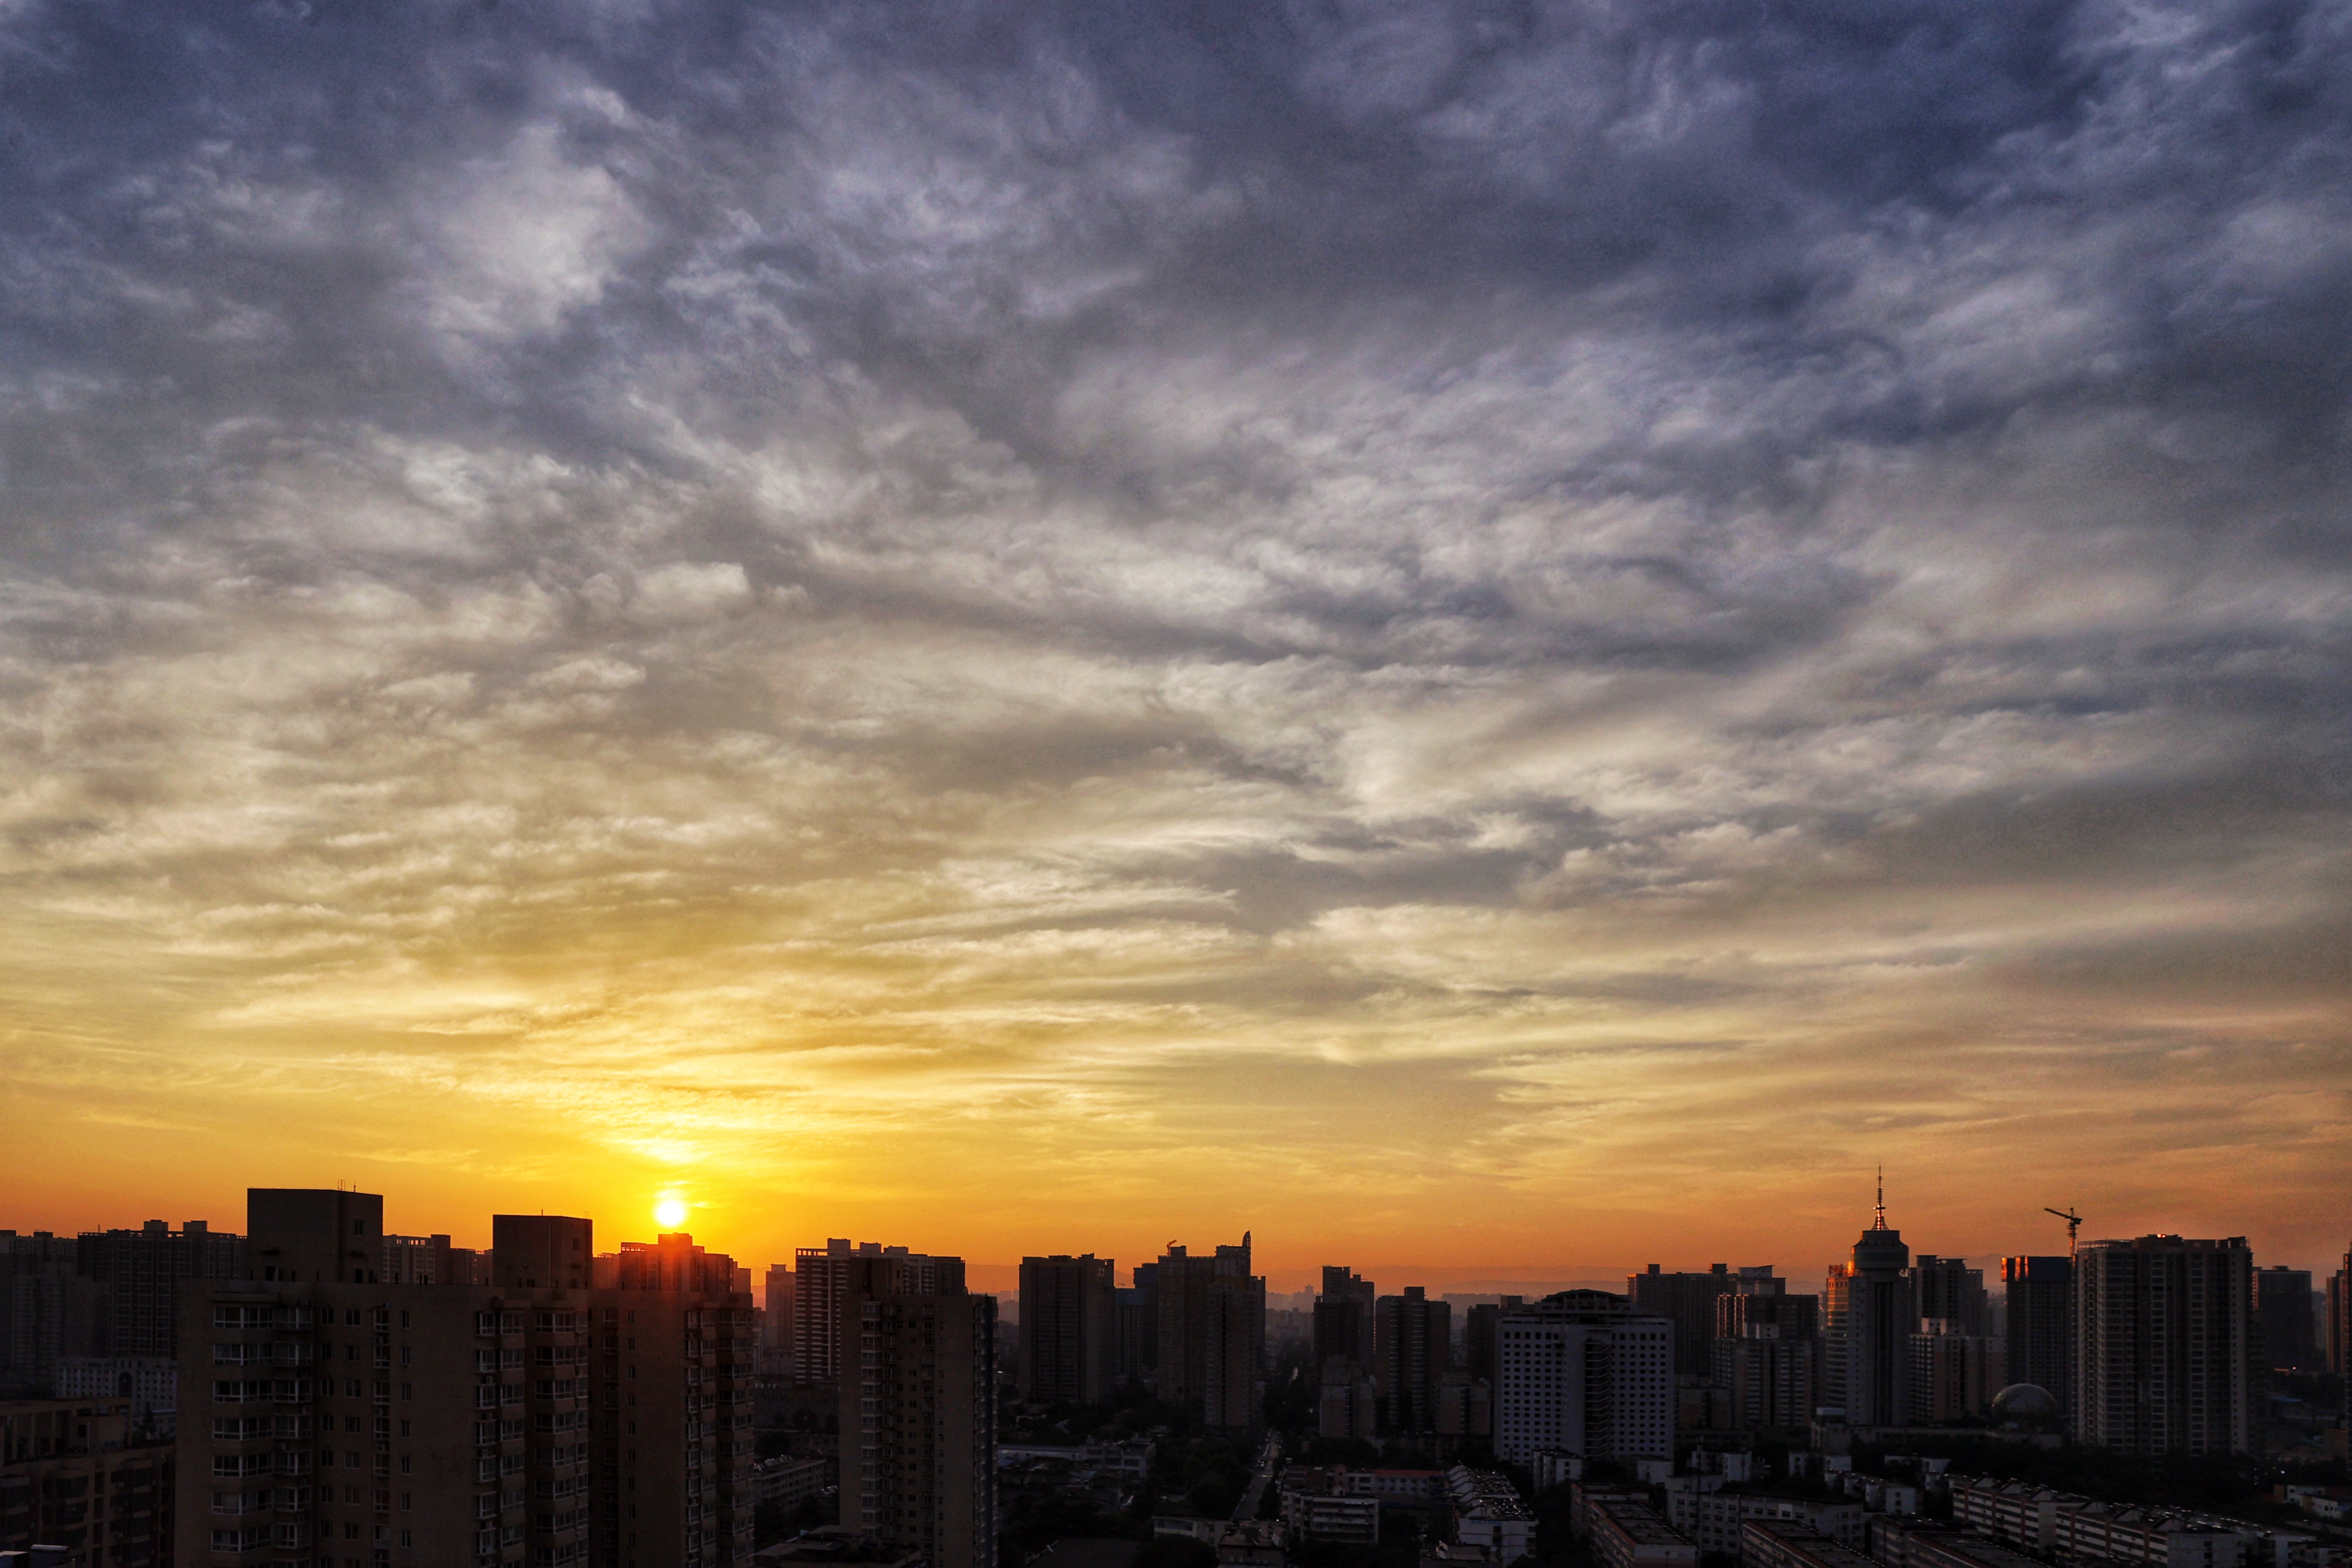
[2026, 1404]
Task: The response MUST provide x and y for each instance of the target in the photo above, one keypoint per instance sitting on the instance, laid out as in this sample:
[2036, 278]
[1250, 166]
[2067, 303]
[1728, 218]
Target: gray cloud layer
[1654, 582]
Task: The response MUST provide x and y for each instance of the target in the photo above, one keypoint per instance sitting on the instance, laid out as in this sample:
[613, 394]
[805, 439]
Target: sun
[670, 1213]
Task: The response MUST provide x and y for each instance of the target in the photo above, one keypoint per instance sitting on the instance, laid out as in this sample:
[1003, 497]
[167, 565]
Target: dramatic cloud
[1478, 633]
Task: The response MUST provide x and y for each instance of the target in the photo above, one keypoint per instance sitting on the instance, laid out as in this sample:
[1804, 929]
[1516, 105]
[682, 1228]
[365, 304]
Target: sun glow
[670, 1213]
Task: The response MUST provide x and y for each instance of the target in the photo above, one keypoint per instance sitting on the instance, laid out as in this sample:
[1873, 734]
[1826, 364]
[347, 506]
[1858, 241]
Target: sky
[1504, 640]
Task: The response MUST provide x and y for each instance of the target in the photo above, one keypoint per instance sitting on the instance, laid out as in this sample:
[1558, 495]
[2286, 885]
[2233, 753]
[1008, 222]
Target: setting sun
[670, 1213]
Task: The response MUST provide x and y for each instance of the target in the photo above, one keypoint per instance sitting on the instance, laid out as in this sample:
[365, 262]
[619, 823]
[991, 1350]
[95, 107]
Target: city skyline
[1524, 637]
[1278, 1257]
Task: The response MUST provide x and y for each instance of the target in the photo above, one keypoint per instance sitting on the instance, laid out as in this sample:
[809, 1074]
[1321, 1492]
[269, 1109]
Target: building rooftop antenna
[1881, 1223]
[2073, 1225]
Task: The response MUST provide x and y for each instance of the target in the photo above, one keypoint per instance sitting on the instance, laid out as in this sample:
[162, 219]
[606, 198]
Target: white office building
[1580, 1374]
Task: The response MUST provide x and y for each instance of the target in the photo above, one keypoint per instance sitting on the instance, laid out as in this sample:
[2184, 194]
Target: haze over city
[1497, 641]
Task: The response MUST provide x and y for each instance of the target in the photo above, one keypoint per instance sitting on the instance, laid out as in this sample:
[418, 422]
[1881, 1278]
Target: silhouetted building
[672, 1261]
[1765, 1358]
[1345, 1311]
[1582, 1373]
[534, 1251]
[1132, 1333]
[1478, 1330]
[1954, 1374]
[1687, 1300]
[2041, 1340]
[1211, 1321]
[330, 1422]
[2283, 1311]
[776, 1320]
[1870, 1312]
[433, 1261]
[821, 1276]
[1948, 1290]
[84, 1475]
[2165, 1345]
[1067, 1329]
[918, 1419]
[141, 1270]
[1412, 1348]
[320, 1235]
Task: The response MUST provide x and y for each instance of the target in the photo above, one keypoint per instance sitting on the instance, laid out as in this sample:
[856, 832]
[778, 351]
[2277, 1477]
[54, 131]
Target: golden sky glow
[1492, 670]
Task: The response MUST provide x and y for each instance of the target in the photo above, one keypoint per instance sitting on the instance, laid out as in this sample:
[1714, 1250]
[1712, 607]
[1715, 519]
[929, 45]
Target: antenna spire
[1881, 1222]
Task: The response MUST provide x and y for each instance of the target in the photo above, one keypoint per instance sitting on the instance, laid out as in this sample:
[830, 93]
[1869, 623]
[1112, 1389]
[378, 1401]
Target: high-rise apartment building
[1580, 1372]
[1133, 1328]
[2340, 1322]
[2041, 1340]
[673, 1450]
[322, 1234]
[432, 1260]
[776, 1320]
[918, 1419]
[536, 1251]
[361, 1423]
[1687, 1300]
[83, 1474]
[1413, 1349]
[2283, 1315]
[671, 1261]
[141, 1270]
[1954, 1376]
[1343, 1322]
[822, 1277]
[42, 1253]
[1211, 1322]
[1870, 1311]
[1949, 1291]
[1479, 1327]
[1066, 1329]
[2165, 1345]
[1767, 1357]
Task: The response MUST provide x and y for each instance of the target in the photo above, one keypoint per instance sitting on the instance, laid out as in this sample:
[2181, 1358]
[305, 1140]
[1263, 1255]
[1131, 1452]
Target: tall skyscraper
[1211, 1321]
[918, 1419]
[2040, 1349]
[141, 1270]
[1873, 1312]
[2282, 1313]
[1413, 1349]
[1343, 1322]
[1067, 1329]
[822, 1275]
[353, 1422]
[1580, 1372]
[2165, 1345]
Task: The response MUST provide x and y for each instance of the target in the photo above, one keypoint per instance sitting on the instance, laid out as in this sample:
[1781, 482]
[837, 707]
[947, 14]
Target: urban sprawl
[315, 1393]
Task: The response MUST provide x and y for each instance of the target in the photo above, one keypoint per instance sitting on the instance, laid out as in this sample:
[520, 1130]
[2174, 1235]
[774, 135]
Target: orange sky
[1498, 648]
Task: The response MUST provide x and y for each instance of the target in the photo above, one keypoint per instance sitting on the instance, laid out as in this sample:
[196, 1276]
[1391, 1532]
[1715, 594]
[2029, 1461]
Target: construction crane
[2073, 1225]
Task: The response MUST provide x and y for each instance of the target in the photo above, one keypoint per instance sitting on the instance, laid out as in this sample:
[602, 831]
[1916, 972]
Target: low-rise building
[1717, 1517]
[1488, 1512]
[790, 1482]
[1626, 1534]
[1783, 1543]
[1251, 1544]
